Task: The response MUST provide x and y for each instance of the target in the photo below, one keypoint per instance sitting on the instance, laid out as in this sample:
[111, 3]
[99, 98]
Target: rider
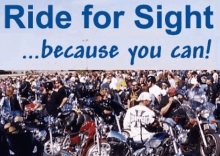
[105, 104]
[169, 107]
[50, 99]
[138, 116]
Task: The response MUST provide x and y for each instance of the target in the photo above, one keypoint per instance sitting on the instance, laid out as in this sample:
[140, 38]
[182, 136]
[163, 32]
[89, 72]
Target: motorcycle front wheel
[213, 145]
[51, 150]
[105, 149]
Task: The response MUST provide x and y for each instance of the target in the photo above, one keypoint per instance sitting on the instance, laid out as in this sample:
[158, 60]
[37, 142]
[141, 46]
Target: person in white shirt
[114, 83]
[215, 76]
[154, 89]
[139, 116]
[171, 80]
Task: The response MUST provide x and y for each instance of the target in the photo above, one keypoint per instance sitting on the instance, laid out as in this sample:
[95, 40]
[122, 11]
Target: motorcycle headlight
[182, 137]
[179, 128]
[205, 113]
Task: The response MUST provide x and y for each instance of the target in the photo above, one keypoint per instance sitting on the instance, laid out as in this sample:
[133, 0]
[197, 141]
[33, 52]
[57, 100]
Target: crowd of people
[139, 93]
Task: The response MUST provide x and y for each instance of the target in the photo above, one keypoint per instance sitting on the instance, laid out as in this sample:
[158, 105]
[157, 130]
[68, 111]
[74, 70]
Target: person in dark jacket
[211, 90]
[51, 100]
[10, 103]
[105, 105]
[170, 108]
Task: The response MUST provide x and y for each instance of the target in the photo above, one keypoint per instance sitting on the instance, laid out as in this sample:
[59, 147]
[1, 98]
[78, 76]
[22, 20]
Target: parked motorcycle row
[79, 128]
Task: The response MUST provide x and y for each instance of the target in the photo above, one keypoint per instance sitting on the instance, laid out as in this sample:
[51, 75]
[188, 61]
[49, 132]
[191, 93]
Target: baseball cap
[144, 96]
[172, 91]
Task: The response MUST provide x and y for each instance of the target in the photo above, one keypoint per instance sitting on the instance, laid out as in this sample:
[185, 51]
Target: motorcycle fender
[216, 134]
[209, 131]
[89, 144]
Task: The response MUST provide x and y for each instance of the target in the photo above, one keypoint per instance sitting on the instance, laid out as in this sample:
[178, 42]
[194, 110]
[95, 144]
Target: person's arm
[165, 109]
[127, 121]
[129, 103]
[64, 101]
[215, 77]
[107, 112]
[158, 98]
[2, 102]
[37, 106]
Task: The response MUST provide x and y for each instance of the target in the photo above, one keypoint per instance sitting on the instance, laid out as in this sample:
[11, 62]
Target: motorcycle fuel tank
[157, 139]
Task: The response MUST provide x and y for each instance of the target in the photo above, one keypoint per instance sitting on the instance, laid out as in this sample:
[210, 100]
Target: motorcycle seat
[135, 145]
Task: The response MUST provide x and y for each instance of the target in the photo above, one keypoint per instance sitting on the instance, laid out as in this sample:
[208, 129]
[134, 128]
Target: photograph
[114, 112]
[110, 78]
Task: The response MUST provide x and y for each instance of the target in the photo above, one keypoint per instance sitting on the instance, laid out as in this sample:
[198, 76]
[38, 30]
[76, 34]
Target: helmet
[49, 85]
[151, 79]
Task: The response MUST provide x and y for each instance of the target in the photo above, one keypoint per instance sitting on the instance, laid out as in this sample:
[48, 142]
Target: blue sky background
[16, 42]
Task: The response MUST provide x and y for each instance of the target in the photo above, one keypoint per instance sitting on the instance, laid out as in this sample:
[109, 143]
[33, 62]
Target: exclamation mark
[208, 48]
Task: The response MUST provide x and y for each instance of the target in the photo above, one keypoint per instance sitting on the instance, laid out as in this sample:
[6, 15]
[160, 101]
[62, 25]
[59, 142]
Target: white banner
[109, 34]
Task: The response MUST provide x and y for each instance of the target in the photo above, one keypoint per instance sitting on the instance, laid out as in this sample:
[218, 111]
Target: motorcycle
[85, 140]
[162, 143]
[201, 126]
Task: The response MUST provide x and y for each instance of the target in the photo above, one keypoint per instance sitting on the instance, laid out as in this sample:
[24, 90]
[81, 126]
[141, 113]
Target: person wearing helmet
[139, 116]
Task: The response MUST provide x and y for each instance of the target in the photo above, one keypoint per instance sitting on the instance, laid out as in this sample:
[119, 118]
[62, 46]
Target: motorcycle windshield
[198, 102]
[189, 111]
